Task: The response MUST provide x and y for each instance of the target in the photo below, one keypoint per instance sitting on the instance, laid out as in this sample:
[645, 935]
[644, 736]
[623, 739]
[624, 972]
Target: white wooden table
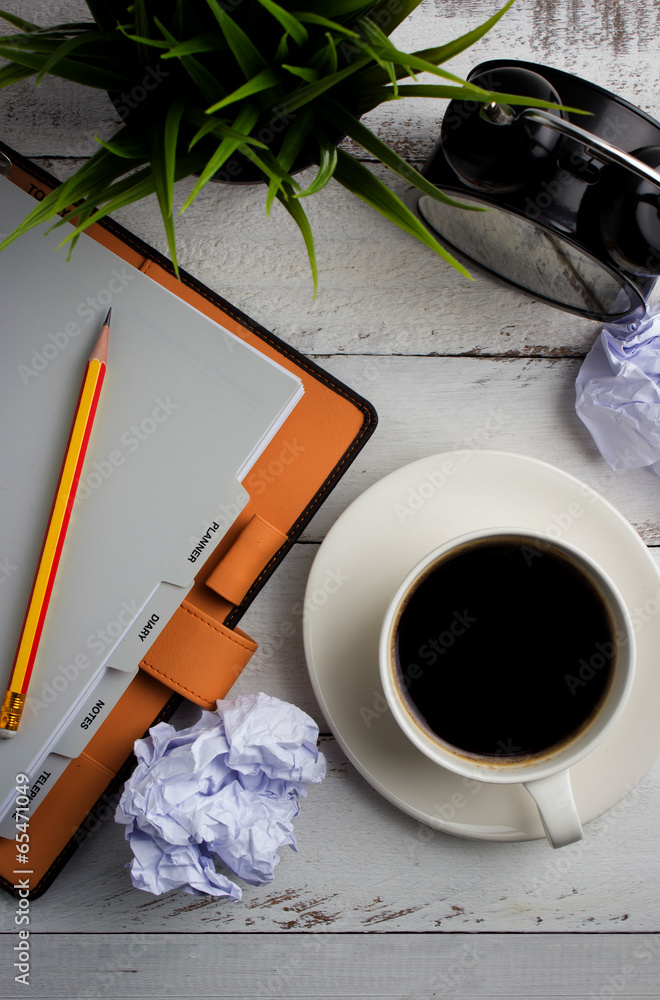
[376, 905]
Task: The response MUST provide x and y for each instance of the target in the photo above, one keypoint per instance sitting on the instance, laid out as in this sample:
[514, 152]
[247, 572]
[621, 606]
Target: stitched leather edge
[370, 421]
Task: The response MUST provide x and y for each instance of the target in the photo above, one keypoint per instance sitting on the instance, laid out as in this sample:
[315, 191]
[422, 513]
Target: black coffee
[506, 649]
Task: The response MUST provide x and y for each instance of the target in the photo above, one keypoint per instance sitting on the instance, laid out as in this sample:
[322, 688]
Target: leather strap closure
[197, 656]
[251, 552]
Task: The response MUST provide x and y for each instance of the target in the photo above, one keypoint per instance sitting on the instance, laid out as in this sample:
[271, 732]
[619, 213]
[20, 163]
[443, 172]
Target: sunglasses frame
[609, 134]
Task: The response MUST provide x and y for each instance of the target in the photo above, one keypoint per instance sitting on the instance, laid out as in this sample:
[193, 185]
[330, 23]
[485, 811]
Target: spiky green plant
[218, 87]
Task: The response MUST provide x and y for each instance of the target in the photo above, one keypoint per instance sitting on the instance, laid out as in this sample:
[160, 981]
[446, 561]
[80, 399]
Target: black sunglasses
[574, 200]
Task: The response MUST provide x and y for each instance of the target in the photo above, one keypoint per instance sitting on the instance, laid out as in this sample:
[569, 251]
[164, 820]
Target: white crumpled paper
[618, 392]
[227, 787]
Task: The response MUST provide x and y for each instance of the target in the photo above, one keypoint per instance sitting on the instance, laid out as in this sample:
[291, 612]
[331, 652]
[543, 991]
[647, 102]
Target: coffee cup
[507, 655]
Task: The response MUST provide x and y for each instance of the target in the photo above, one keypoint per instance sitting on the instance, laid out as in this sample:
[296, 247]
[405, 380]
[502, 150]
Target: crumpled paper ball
[228, 787]
[618, 392]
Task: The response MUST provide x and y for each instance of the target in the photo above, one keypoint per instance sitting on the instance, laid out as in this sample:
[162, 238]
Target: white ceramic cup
[546, 776]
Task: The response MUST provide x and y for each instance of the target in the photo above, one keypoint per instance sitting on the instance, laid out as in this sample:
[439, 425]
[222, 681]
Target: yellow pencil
[58, 522]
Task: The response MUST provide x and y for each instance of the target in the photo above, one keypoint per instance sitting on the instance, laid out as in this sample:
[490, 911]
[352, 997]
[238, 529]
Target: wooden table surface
[375, 904]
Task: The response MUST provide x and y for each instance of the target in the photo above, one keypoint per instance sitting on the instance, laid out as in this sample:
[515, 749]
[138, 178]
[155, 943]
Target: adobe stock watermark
[418, 495]
[100, 470]
[22, 950]
[446, 811]
[350, 48]
[333, 581]
[578, 166]
[225, 516]
[235, 166]
[430, 651]
[602, 657]
[561, 863]
[58, 340]
[44, 693]
[266, 472]
[453, 974]
[459, 111]
[111, 974]
[151, 81]
[622, 983]
[432, 481]
[7, 568]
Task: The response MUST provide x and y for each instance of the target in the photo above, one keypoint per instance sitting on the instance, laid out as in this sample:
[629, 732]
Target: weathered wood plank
[380, 290]
[365, 866]
[354, 967]
[615, 45]
[429, 405]
[377, 284]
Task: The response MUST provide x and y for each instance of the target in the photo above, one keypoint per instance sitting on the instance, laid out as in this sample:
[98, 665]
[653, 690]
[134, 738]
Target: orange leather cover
[200, 652]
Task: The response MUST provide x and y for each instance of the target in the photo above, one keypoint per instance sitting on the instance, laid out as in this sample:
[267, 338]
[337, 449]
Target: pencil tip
[106, 321]
[100, 351]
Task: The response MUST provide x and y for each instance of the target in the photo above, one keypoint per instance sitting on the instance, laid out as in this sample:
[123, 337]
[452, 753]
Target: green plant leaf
[154, 43]
[463, 93]
[158, 172]
[282, 51]
[163, 166]
[206, 81]
[269, 167]
[141, 25]
[128, 190]
[296, 211]
[243, 48]
[346, 8]
[348, 123]
[389, 14]
[411, 62]
[442, 53]
[140, 17]
[294, 139]
[12, 73]
[101, 169]
[327, 165]
[245, 121]
[307, 17]
[89, 76]
[67, 47]
[334, 56]
[18, 22]
[212, 41]
[306, 94]
[103, 12]
[303, 72]
[288, 21]
[332, 60]
[379, 48]
[44, 210]
[207, 128]
[264, 80]
[210, 125]
[132, 149]
[47, 42]
[357, 179]
[170, 143]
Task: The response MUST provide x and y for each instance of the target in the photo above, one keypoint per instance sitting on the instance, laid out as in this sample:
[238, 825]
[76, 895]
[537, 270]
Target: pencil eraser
[7, 734]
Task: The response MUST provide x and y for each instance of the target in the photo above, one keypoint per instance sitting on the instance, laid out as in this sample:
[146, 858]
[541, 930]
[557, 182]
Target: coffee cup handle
[554, 798]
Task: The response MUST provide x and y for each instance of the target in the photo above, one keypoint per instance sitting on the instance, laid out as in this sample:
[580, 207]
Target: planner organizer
[199, 650]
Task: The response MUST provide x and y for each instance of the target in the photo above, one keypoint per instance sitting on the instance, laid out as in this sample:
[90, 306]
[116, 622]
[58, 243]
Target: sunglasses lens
[528, 256]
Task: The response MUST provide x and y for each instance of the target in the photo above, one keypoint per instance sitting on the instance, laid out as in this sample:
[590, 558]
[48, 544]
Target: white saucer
[367, 553]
